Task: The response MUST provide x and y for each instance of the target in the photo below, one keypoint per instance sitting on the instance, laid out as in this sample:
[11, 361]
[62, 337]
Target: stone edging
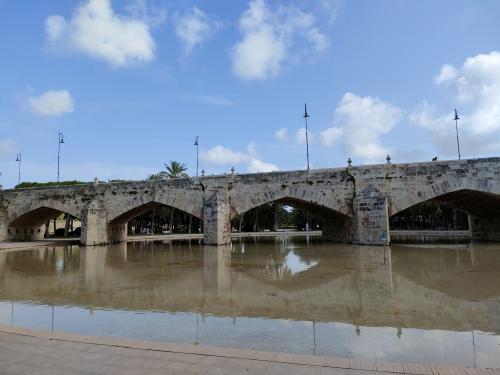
[297, 359]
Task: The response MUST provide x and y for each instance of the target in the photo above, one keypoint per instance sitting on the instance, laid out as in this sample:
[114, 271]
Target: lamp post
[306, 116]
[19, 159]
[197, 145]
[60, 142]
[456, 128]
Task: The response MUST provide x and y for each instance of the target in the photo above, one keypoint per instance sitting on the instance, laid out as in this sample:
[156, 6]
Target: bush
[24, 185]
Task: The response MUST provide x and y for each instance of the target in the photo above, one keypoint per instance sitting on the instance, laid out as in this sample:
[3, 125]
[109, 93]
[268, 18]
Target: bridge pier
[371, 218]
[94, 225]
[484, 228]
[217, 219]
[3, 226]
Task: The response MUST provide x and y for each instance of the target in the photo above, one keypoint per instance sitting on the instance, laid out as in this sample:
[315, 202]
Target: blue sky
[131, 83]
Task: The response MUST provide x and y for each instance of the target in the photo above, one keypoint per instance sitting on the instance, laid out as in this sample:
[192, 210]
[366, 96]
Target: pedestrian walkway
[26, 351]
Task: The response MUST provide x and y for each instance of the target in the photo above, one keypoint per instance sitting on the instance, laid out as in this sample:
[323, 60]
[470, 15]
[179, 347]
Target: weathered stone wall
[355, 203]
[217, 217]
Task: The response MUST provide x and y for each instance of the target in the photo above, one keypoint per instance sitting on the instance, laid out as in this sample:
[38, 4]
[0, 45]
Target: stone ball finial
[349, 162]
[388, 158]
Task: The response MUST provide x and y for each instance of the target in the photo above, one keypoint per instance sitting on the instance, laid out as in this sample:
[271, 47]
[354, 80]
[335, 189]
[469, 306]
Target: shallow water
[429, 304]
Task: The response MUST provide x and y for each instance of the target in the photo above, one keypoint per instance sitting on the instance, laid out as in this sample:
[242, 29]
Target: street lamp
[196, 144]
[61, 141]
[306, 116]
[456, 128]
[19, 159]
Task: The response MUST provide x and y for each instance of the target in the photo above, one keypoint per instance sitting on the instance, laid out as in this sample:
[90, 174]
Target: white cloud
[220, 155]
[281, 134]
[55, 26]
[300, 136]
[475, 88]
[142, 10]
[52, 103]
[331, 8]
[210, 99]
[330, 136]
[193, 28]
[257, 166]
[97, 31]
[447, 73]
[7, 147]
[269, 38]
[362, 121]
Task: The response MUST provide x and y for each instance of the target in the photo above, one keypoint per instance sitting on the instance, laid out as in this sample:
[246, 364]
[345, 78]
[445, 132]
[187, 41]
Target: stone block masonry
[354, 203]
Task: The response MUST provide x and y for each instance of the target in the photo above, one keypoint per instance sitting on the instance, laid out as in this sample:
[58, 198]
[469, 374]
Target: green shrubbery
[24, 185]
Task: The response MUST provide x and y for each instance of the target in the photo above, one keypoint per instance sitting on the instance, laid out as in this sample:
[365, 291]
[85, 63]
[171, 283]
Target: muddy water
[429, 304]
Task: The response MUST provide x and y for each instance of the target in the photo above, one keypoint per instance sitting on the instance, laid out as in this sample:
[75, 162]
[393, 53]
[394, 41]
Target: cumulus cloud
[258, 166]
[300, 136]
[193, 28]
[447, 73]
[97, 31]
[331, 8]
[475, 87]
[281, 134]
[362, 121]
[52, 103]
[330, 136]
[271, 37]
[220, 155]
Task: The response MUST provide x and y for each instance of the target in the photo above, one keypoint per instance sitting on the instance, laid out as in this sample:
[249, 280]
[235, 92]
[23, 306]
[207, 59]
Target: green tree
[175, 169]
[158, 176]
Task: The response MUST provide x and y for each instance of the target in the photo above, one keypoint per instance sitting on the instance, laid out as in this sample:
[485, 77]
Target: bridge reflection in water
[415, 304]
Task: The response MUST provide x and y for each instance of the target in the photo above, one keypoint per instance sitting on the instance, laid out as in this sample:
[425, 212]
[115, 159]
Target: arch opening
[462, 210]
[44, 222]
[155, 218]
[291, 214]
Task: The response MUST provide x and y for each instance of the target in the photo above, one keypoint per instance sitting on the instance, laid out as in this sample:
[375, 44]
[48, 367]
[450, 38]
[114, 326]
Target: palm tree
[175, 169]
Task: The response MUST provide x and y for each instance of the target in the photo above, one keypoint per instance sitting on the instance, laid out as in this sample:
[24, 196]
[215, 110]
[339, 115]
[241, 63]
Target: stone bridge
[353, 203]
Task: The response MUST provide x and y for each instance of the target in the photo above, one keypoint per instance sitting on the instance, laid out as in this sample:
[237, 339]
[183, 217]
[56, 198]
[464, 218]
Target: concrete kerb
[230, 353]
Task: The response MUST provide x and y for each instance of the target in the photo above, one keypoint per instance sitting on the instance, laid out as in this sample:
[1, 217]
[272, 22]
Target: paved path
[26, 351]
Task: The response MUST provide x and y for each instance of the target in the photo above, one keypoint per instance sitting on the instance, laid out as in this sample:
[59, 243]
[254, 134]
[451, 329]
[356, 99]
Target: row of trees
[430, 215]
[24, 185]
[274, 216]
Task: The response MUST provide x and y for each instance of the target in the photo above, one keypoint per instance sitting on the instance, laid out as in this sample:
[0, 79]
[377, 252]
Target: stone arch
[454, 192]
[330, 207]
[27, 222]
[33, 213]
[125, 210]
[321, 200]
